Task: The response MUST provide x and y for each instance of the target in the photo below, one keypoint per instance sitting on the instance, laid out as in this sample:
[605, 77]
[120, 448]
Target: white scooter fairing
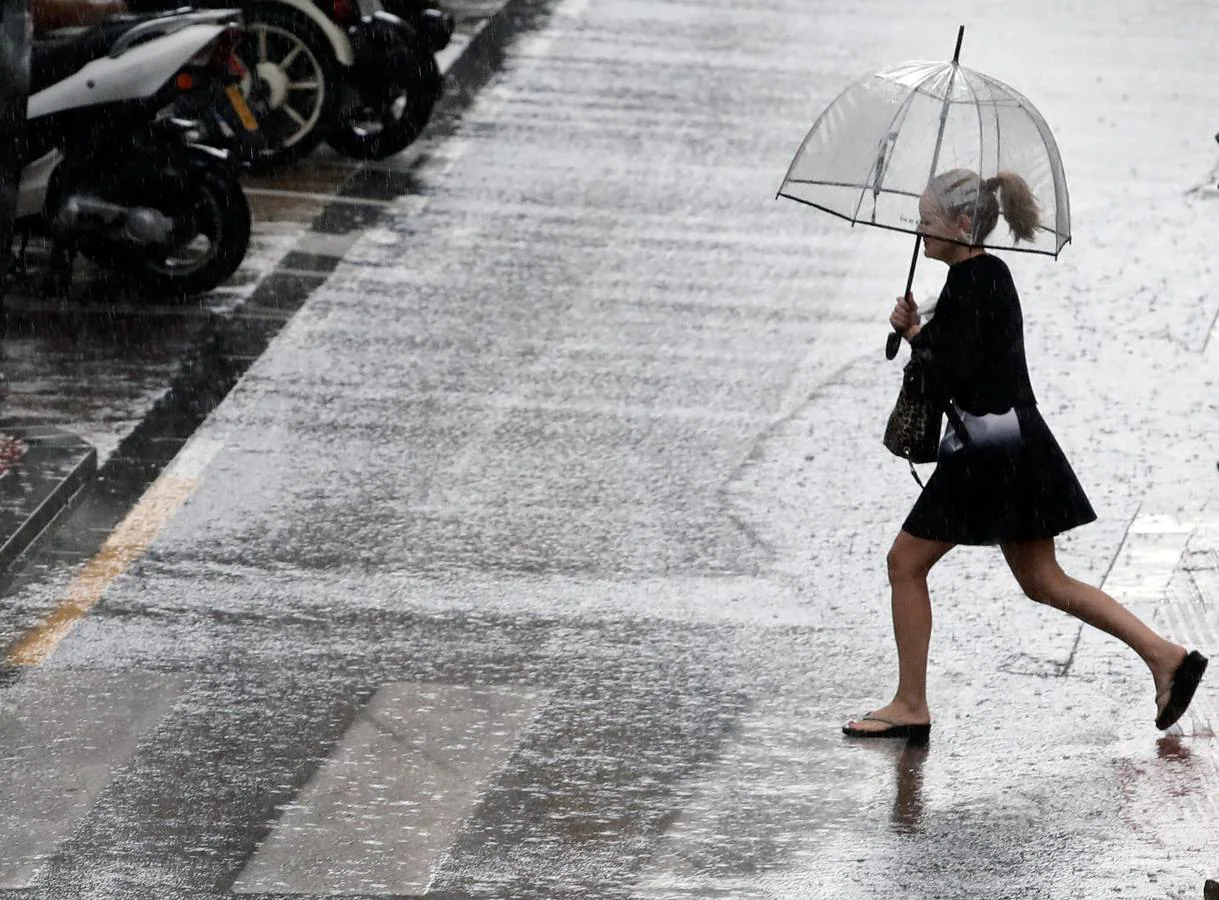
[133, 71]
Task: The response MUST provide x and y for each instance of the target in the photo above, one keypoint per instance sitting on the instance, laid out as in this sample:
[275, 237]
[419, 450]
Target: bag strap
[957, 425]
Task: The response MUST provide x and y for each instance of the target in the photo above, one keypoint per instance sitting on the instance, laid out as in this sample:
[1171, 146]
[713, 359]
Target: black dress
[1015, 484]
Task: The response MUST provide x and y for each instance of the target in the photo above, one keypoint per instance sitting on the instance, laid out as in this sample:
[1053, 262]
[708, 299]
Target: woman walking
[1006, 483]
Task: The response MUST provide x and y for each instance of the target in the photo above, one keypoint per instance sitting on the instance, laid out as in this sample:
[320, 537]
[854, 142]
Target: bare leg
[1036, 568]
[910, 559]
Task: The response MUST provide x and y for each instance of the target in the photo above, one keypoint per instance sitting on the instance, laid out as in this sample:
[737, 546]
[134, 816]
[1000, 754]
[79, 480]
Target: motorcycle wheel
[396, 120]
[212, 234]
[295, 87]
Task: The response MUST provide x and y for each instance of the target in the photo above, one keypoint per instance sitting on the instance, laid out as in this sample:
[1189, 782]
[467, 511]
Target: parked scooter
[110, 175]
[360, 74]
[395, 81]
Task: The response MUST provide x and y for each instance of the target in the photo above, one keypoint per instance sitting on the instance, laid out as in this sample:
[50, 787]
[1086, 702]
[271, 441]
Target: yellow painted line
[313, 195]
[127, 543]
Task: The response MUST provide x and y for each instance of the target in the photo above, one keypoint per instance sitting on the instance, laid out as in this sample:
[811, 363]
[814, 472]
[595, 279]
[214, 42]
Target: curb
[36, 489]
[484, 54]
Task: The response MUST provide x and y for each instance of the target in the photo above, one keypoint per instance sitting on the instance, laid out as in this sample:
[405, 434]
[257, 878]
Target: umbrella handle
[895, 337]
[892, 344]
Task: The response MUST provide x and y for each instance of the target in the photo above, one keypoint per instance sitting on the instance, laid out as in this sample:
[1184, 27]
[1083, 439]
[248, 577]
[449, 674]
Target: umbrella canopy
[871, 154]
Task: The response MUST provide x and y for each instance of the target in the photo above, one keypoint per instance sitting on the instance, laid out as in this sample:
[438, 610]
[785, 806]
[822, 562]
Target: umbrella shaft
[935, 156]
[918, 240]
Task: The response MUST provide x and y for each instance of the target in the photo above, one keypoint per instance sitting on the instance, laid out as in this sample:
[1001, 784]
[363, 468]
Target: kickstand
[22, 266]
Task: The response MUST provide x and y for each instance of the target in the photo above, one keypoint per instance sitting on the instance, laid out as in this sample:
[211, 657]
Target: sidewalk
[41, 470]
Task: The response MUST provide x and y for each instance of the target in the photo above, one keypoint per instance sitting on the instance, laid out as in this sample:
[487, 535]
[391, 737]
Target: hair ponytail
[962, 191]
[1017, 203]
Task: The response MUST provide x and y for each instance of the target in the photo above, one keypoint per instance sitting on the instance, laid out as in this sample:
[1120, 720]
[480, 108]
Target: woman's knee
[905, 565]
[911, 558]
[1042, 583]
[1035, 567]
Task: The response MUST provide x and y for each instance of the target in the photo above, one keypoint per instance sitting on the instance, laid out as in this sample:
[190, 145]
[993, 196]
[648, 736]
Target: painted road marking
[1169, 562]
[321, 198]
[1190, 615]
[1149, 556]
[1195, 624]
[64, 736]
[783, 781]
[124, 546]
[379, 815]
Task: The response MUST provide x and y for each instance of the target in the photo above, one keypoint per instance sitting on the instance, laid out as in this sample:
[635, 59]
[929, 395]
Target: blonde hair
[962, 191]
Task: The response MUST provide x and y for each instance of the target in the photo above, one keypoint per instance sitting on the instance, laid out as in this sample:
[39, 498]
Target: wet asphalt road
[541, 554]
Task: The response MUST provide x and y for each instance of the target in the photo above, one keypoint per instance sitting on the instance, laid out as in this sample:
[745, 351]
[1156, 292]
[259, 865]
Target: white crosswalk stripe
[64, 735]
[382, 810]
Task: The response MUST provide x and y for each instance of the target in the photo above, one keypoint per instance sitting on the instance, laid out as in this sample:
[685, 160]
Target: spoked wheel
[393, 121]
[293, 85]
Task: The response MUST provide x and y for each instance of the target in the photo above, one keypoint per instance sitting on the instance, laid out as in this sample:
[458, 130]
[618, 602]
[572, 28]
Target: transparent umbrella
[871, 154]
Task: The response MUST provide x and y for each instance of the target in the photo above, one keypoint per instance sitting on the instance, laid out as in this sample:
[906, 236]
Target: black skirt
[1019, 490]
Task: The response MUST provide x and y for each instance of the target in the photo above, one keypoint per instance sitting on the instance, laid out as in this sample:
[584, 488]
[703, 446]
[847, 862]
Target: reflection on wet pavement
[908, 797]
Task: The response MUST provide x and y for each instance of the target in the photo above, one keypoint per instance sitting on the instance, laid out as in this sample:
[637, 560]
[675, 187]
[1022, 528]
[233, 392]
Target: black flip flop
[915, 734]
[1181, 689]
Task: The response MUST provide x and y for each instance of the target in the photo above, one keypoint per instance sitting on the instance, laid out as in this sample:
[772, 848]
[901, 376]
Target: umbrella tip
[956, 54]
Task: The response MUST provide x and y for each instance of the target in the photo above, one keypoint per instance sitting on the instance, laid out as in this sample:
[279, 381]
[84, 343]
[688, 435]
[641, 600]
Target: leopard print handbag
[916, 422]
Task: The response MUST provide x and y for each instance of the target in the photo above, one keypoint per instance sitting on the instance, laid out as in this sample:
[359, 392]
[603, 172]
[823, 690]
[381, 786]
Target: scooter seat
[55, 55]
